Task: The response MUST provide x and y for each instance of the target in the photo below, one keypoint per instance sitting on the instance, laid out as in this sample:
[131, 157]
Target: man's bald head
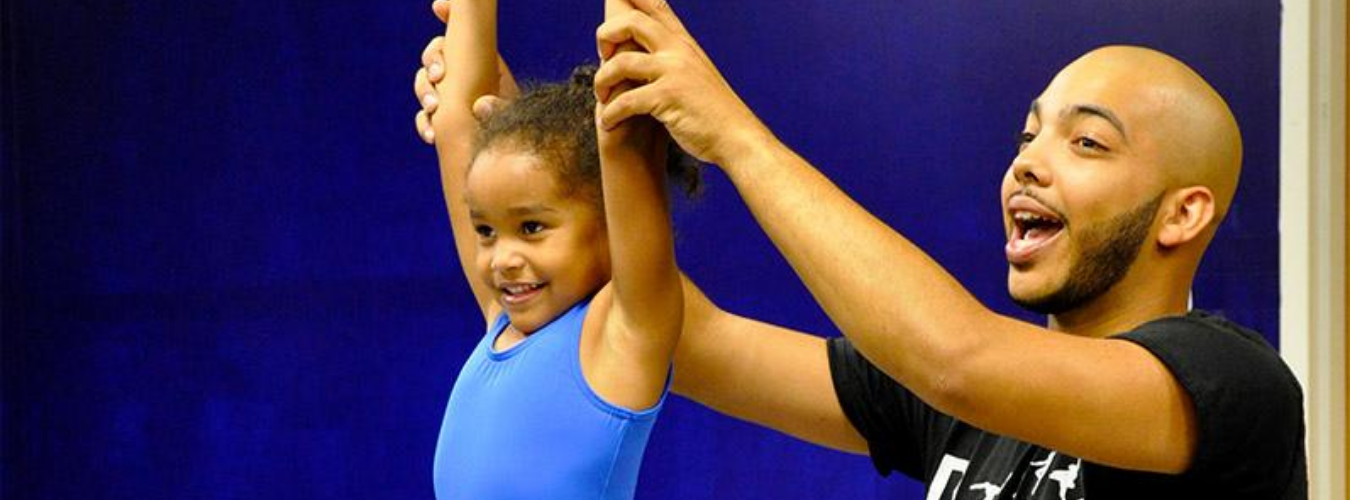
[1193, 126]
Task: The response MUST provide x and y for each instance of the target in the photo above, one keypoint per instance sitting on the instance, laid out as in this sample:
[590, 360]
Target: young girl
[564, 235]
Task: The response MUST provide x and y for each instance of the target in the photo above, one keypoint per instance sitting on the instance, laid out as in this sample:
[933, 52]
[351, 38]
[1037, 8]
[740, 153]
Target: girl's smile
[541, 248]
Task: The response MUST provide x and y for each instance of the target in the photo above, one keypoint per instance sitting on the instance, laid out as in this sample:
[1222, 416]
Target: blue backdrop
[227, 270]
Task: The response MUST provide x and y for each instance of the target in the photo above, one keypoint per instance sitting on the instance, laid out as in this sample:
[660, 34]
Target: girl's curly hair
[557, 121]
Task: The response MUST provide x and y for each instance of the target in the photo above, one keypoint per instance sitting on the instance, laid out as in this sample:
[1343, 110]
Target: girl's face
[540, 250]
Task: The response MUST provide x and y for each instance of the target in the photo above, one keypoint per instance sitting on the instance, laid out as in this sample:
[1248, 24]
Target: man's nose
[1029, 167]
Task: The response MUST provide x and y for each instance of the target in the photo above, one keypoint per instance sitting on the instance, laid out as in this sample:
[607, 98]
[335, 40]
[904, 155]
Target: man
[1128, 163]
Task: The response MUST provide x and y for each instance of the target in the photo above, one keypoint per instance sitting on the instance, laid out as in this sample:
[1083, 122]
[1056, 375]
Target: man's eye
[1088, 143]
[1023, 139]
[484, 231]
[531, 227]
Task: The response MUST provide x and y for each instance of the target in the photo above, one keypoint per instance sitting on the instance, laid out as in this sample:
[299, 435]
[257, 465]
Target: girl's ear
[1189, 212]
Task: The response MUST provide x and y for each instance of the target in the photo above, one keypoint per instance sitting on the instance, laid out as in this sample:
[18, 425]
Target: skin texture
[1123, 136]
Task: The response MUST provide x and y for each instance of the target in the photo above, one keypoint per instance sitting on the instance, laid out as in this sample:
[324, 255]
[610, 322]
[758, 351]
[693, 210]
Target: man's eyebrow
[1084, 109]
[1098, 111]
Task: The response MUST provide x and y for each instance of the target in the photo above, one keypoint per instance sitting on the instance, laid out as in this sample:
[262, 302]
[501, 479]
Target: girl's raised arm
[643, 324]
[470, 55]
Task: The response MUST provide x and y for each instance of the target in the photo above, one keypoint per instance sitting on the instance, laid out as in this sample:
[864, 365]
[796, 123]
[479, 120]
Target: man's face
[1080, 198]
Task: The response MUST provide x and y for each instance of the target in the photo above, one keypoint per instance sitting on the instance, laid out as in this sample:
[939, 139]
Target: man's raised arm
[1105, 401]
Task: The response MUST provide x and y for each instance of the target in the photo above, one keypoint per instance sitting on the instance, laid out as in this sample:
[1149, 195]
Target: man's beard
[1108, 252]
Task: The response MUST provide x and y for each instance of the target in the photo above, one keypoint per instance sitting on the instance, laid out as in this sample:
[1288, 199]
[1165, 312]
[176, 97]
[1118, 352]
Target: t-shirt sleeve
[896, 424]
[1248, 405]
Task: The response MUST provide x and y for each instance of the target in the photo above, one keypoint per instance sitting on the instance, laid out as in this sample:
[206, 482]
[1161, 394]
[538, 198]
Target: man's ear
[1189, 212]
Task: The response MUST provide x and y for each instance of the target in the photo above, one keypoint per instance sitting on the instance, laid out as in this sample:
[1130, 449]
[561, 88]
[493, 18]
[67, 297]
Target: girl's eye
[1023, 139]
[531, 227]
[484, 231]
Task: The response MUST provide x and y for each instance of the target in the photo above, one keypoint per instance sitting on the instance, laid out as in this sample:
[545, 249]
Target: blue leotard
[524, 424]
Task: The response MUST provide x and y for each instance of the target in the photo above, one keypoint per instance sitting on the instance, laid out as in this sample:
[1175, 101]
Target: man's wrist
[747, 148]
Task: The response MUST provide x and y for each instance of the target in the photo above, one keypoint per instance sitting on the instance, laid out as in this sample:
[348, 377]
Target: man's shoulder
[1201, 322]
[1203, 350]
[1248, 403]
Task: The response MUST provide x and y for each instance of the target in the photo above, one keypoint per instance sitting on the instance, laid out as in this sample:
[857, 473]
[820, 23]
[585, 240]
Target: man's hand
[683, 89]
[433, 70]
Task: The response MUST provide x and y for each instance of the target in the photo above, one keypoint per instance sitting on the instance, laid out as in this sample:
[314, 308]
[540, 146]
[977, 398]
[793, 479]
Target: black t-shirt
[1249, 413]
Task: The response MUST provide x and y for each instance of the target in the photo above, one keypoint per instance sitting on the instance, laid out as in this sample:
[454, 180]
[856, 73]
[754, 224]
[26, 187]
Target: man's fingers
[486, 106]
[442, 10]
[424, 130]
[431, 59]
[631, 26]
[425, 92]
[635, 102]
[638, 67]
[660, 11]
[431, 72]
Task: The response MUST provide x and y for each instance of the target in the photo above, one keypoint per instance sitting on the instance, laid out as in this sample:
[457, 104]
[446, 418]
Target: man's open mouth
[1033, 228]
